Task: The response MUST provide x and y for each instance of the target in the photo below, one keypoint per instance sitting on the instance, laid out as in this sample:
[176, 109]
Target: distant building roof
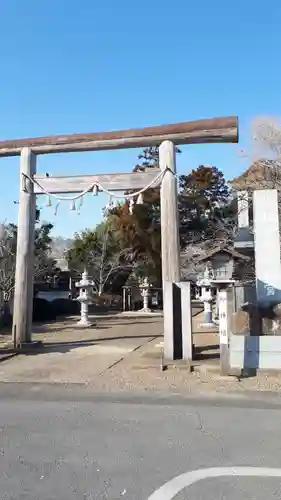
[263, 174]
[223, 249]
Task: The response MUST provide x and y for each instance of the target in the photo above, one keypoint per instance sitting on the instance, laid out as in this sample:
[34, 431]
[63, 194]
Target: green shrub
[66, 307]
[43, 310]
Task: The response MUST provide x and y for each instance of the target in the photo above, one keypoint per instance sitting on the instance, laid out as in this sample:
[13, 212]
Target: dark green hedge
[43, 310]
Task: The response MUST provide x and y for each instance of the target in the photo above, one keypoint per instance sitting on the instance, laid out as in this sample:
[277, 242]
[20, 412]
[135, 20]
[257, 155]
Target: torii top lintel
[214, 130]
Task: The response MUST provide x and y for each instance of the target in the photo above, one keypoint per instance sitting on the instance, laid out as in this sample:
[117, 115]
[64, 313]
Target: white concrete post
[267, 246]
[225, 321]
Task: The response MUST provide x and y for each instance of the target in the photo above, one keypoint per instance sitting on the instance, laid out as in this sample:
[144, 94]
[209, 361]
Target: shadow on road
[102, 324]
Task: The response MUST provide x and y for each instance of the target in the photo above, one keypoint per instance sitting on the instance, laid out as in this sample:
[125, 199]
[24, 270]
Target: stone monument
[267, 247]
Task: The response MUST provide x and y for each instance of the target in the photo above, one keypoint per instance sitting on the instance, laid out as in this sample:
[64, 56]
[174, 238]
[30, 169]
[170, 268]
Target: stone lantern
[145, 293]
[85, 285]
[205, 283]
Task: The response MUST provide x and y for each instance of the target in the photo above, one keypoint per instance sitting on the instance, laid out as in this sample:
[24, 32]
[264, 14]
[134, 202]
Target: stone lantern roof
[263, 174]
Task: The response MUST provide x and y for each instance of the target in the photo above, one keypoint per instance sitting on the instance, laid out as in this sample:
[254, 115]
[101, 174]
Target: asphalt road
[61, 444]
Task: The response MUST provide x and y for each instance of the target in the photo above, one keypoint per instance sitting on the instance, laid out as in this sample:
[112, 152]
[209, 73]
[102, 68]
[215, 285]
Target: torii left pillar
[170, 245]
[23, 297]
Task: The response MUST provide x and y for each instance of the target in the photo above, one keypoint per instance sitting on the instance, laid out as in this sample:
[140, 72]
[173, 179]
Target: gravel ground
[114, 357]
[126, 376]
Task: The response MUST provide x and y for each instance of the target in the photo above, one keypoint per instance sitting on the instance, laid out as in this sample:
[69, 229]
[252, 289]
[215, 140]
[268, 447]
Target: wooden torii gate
[216, 130]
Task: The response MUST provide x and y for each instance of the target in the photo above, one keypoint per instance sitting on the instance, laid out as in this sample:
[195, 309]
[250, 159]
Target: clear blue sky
[90, 65]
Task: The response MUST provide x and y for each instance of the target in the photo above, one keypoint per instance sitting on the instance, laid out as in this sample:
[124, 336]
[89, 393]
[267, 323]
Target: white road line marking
[170, 489]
